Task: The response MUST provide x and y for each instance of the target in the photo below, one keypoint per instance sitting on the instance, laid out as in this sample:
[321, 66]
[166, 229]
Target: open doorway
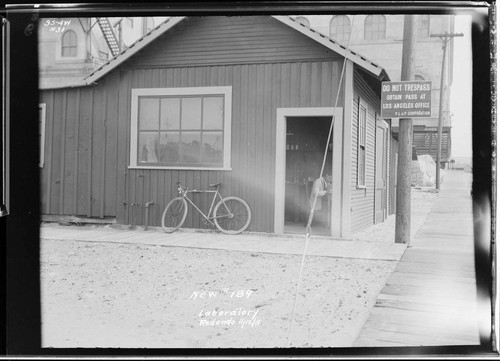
[306, 139]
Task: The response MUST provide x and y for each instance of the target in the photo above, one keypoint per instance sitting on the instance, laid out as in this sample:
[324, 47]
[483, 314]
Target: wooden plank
[244, 104]
[90, 154]
[62, 151]
[267, 178]
[43, 172]
[84, 139]
[121, 147]
[315, 84]
[326, 86]
[285, 91]
[70, 149]
[422, 330]
[236, 133]
[411, 339]
[57, 153]
[295, 77]
[305, 84]
[111, 145]
[104, 121]
[132, 205]
[49, 123]
[77, 152]
[430, 299]
[253, 143]
[260, 156]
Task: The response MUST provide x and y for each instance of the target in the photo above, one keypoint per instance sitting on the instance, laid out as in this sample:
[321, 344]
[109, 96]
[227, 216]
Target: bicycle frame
[184, 191]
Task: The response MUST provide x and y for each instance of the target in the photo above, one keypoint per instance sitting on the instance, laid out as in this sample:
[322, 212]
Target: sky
[461, 91]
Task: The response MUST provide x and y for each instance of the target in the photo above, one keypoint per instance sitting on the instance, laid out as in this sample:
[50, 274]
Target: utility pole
[403, 195]
[445, 38]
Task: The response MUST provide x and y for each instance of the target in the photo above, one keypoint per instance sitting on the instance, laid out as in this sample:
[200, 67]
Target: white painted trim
[280, 167]
[133, 49]
[43, 108]
[226, 91]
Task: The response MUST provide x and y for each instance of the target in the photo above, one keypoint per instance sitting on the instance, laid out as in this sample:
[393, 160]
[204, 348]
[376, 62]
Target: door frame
[280, 165]
[381, 123]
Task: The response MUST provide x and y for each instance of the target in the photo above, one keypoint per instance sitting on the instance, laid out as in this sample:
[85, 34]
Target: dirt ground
[121, 295]
[97, 294]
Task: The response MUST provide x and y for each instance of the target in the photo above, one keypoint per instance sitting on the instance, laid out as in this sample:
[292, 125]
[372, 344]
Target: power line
[445, 38]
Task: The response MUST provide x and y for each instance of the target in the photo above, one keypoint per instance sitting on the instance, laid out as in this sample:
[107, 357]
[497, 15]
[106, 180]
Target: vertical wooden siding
[363, 199]
[392, 178]
[219, 40]
[100, 118]
[79, 177]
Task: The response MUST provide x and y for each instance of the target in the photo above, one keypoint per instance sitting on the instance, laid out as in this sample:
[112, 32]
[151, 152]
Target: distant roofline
[372, 68]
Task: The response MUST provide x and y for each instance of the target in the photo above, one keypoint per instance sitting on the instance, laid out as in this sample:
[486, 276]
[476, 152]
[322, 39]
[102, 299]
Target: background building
[71, 48]
[380, 38]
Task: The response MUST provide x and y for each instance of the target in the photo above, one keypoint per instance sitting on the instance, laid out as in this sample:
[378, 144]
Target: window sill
[360, 187]
[152, 167]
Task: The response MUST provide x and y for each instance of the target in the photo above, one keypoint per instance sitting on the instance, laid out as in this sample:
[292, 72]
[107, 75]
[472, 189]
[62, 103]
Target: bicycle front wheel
[174, 215]
[232, 215]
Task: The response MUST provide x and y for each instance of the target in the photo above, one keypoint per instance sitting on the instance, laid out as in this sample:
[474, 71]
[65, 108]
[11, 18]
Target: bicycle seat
[215, 184]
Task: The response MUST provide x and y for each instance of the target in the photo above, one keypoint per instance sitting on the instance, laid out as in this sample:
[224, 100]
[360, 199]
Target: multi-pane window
[362, 145]
[375, 27]
[68, 44]
[340, 28]
[182, 130]
[423, 26]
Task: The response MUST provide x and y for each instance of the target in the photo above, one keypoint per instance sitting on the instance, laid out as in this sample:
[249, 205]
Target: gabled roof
[363, 62]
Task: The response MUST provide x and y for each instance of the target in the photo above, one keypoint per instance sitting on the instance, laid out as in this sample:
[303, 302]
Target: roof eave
[132, 50]
[358, 59]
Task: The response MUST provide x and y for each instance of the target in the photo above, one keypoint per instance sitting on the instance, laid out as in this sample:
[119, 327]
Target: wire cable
[311, 212]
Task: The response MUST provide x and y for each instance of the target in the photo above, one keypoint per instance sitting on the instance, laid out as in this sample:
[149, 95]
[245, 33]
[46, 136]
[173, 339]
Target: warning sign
[406, 99]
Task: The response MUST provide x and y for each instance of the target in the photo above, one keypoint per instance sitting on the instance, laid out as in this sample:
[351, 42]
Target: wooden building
[246, 101]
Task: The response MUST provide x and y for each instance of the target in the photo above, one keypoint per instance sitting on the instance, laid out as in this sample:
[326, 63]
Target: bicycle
[231, 215]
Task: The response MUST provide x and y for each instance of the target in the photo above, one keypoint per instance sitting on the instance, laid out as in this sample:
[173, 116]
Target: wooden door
[381, 172]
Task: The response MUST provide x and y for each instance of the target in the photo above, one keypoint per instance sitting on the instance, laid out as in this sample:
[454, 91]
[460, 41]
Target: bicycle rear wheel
[174, 215]
[232, 215]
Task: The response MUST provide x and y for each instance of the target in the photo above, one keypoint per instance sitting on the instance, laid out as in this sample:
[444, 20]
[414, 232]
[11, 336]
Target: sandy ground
[138, 296]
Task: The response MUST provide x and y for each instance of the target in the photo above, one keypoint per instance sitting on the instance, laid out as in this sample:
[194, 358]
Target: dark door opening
[306, 139]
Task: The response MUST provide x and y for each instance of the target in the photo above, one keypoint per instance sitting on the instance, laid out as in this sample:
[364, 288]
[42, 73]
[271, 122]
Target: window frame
[334, 35]
[225, 91]
[361, 181]
[63, 46]
[373, 16]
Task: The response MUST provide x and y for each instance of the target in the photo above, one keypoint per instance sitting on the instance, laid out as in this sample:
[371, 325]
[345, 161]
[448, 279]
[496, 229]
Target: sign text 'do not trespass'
[406, 99]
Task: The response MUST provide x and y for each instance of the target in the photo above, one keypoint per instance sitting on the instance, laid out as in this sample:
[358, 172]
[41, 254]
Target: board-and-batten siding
[363, 199]
[230, 40]
[97, 180]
